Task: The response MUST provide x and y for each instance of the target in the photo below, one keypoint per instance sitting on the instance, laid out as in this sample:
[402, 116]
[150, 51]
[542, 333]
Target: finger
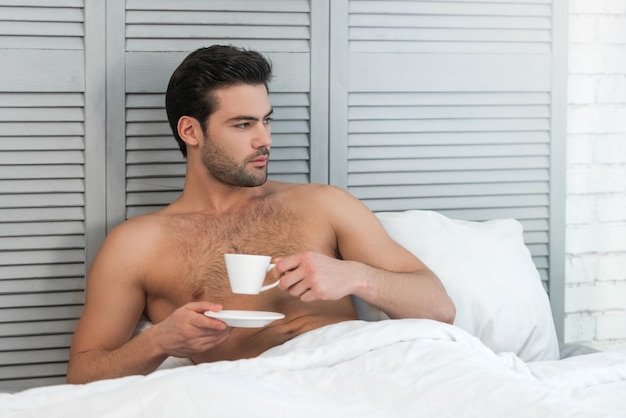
[298, 289]
[206, 323]
[203, 306]
[289, 279]
[308, 296]
[215, 339]
[215, 324]
[286, 264]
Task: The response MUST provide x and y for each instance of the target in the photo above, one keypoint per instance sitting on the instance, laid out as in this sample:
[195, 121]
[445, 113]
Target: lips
[259, 161]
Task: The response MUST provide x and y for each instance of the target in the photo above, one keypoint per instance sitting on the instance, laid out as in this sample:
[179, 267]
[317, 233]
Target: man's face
[238, 138]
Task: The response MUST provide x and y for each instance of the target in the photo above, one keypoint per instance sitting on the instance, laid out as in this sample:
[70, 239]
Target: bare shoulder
[333, 205]
[138, 229]
[129, 245]
[315, 195]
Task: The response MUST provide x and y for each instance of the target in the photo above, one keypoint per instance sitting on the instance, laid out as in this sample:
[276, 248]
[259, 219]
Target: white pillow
[488, 272]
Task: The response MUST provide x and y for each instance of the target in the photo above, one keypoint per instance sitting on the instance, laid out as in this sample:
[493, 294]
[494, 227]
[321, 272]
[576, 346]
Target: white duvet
[395, 368]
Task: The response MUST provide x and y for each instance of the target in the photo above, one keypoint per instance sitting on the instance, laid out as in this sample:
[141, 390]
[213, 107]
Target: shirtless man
[169, 265]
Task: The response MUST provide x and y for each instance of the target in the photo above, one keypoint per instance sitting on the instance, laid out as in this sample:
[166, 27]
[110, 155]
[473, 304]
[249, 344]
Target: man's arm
[115, 299]
[373, 267]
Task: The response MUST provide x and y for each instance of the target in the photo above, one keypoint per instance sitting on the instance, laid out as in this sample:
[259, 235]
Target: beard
[225, 169]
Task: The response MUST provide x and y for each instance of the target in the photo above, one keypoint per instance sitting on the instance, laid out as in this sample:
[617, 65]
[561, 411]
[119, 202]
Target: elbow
[448, 312]
[72, 377]
[75, 375]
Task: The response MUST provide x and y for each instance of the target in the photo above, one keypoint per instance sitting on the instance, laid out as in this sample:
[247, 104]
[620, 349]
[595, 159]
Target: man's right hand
[187, 331]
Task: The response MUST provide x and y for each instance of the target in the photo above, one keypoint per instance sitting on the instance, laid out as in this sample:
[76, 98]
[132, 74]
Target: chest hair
[199, 242]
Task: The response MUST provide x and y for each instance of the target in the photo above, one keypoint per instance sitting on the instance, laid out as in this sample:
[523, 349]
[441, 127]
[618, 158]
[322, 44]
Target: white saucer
[245, 319]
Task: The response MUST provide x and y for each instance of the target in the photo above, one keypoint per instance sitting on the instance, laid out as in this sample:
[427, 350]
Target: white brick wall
[595, 298]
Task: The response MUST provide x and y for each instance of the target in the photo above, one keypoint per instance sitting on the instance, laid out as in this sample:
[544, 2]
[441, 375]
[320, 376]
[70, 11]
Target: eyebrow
[250, 118]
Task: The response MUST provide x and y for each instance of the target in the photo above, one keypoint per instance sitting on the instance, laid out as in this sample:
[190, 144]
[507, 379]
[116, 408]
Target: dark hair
[191, 87]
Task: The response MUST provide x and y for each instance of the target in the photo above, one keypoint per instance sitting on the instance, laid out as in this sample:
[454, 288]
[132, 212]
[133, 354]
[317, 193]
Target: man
[169, 265]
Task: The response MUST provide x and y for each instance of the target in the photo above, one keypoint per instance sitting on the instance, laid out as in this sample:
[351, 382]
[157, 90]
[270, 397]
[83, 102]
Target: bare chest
[193, 267]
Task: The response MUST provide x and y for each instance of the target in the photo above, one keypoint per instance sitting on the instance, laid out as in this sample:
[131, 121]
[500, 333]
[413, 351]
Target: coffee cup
[246, 273]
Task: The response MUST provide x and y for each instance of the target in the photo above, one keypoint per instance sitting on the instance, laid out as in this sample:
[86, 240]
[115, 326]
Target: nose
[263, 136]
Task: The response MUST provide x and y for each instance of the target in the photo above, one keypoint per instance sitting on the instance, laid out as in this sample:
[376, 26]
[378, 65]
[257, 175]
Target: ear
[190, 131]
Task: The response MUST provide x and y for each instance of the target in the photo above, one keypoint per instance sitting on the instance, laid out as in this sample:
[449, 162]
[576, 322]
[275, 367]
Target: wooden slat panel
[17, 329]
[183, 44]
[448, 176]
[156, 31]
[230, 5]
[32, 42]
[449, 108]
[27, 171]
[216, 18]
[39, 186]
[42, 189]
[438, 98]
[452, 21]
[42, 242]
[447, 112]
[44, 114]
[38, 143]
[41, 26]
[154, 156]
[44, 200]
[460, 190]
[40, 313]
[155, 170]
[43, 214]
[35, 99]
[449, 72]
[43, 3]
[41, 228]
[41, 157]
[44, 356]
[475, 48]
[452, 164]
[43, 15]
[457, 151]
[151, 198]
[40, 299]
[42, 71]
[488, 1]
[149, 72]
[164, 142]
[450, 27]
[463, 202]
[477, 8]
[33, 370]
[448, 34]
[42, 285]
[37, 128]
[448, 138]
[154, 183]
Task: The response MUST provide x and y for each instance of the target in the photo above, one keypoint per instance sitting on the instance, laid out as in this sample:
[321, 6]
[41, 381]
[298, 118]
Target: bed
[501, 358]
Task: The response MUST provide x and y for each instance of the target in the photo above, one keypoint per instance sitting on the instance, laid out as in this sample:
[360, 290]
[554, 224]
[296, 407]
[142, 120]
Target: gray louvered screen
[448, 107]
[453, 106]
[42, 188]
[156, 42]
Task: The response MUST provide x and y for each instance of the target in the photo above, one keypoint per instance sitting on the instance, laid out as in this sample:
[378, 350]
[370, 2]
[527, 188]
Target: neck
[204, 193]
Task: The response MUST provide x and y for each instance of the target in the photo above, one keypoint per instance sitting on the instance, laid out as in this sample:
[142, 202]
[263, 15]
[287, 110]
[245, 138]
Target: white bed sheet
[394, 368]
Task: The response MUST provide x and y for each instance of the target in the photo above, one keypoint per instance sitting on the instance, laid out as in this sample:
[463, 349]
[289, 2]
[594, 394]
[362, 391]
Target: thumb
[203, 305]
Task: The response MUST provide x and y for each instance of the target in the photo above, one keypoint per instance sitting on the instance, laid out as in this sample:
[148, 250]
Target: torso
[188, 265]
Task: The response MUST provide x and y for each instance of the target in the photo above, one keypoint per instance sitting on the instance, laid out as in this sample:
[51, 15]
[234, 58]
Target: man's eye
[242, 125]
[267, 121]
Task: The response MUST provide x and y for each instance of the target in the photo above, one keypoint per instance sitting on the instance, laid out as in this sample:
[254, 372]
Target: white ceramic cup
[246, 273]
